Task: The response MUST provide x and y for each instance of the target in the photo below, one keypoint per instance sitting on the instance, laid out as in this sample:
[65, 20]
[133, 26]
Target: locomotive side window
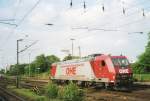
[103, 63]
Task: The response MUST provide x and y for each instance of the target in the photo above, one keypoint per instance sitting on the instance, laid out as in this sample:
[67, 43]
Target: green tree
[30, 68]
[13, 70]
[69, 57]
[41, 63]
[52, 59]
[20, 69]
[2, 71]
[143, 63]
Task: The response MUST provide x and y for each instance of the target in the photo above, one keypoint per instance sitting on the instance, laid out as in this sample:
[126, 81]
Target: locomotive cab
[122, 71]
[113, 71]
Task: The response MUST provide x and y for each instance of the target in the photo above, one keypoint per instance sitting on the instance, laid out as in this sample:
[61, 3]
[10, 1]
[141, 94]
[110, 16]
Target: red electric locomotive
[112, 71]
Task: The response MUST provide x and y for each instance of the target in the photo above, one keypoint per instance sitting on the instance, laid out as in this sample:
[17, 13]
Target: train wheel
[108, 86]
[81, 83]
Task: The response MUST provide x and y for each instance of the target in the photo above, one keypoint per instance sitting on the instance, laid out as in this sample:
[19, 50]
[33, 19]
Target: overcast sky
[94, 30]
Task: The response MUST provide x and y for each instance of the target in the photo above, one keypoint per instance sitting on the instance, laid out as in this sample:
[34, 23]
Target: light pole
[79, 51]
[29, 65]
[1, 57]
[72, 45]
[17, 78]
[18, 50]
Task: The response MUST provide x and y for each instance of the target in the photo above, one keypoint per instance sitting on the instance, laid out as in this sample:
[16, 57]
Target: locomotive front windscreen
[122, 62]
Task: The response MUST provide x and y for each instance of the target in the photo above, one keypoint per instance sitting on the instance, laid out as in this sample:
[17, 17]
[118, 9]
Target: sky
[94, 30]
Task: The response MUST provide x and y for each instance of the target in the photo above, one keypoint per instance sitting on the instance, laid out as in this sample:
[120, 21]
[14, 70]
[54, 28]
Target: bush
[141, 77]
[71, 92]
[52, 90]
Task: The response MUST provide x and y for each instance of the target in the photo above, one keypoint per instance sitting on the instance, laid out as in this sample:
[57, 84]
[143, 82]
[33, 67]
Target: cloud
[120, 43]
[42, 14]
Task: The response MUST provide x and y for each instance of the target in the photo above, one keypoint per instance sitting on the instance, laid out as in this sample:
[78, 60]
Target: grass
[44, 75]
[52, 90]
[71, 92]
[29, 95]
[142, 77]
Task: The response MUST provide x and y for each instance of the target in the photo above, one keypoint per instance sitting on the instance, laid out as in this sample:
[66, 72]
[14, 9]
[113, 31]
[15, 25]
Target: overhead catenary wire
[7, 20]
[87, 33]
[13, 24]
[130, 7]
[105, 29]
[14, 15]
[125, 10]
[136, 21]
[17, 8]
[28, 46]
[134, 5]
[7, 23]
[130, 23]
[88, 29]
[26, 15]
[18, 24]
[23, 18]
[133, 13]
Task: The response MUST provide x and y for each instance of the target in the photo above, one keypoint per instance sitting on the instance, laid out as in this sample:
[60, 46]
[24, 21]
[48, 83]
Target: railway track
[6, 95]
[26, 83]
[30, 85]
[9, 96]
[139, 92]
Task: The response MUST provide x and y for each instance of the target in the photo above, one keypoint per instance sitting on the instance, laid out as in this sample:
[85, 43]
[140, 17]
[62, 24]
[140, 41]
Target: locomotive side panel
[81, 71]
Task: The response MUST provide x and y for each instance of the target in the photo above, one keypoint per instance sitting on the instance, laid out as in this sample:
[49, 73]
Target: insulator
[103, 8]
[71, 3]
[84, 5]
[124, 11]
[143, 12]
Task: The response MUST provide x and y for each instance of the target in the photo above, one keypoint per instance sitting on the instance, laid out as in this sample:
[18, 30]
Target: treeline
[142, 65]
[41, 64]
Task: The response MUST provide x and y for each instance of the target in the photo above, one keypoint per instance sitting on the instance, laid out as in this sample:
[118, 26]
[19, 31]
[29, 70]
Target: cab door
[99, 68]
[102, 68]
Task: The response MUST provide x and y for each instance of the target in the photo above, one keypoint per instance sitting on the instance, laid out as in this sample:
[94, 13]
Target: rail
[9, 96]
